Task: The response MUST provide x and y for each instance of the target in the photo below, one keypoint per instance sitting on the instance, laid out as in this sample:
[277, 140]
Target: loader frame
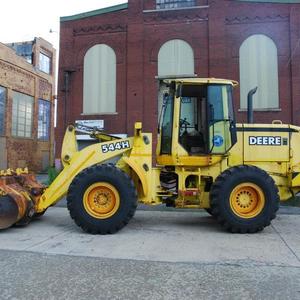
[241, 174]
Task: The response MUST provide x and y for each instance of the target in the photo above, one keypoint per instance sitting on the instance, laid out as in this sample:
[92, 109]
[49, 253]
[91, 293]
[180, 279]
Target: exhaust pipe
[250, 106]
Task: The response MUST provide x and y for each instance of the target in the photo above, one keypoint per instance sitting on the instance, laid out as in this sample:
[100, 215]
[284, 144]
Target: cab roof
[202, 81]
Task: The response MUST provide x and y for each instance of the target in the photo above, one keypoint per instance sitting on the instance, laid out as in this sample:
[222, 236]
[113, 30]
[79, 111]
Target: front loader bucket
[19, 193]
[9, 212]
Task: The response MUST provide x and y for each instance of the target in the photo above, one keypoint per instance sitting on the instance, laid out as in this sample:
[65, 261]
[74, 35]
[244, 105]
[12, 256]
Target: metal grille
[165, 4]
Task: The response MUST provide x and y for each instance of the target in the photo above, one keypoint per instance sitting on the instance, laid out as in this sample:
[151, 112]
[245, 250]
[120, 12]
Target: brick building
[27, 85]
[109, 58]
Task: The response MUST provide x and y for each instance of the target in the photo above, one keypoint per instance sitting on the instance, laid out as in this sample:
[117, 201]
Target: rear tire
[244, 199]
[102, 199]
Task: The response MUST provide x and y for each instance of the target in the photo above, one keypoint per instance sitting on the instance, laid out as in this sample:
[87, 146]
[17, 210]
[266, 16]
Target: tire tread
[218, 191]
[94, 171]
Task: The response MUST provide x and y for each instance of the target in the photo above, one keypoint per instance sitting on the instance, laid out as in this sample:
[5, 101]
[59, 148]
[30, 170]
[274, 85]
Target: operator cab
[197, 118]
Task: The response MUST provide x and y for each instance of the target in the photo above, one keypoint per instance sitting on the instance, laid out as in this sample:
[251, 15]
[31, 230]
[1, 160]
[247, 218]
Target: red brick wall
[295, 63]
[215, 34]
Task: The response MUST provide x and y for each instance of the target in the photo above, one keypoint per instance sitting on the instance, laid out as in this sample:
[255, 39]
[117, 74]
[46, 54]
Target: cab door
[221, 121]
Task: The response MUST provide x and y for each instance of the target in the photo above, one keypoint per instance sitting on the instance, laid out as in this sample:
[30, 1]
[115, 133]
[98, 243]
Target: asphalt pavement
[158, 255]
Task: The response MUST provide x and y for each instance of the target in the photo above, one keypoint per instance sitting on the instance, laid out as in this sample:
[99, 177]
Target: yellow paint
[137, 162]
[247, 200]
[282, 163]
[198, 161]
[79, 160]
[141, 174]
[69, 146]
[20, 171]
[7, 172]
[101, 200]
[266, 153]
[203, 81]
[296, 181]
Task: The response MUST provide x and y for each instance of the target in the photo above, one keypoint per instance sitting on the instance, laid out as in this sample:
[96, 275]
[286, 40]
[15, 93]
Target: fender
[140, 172]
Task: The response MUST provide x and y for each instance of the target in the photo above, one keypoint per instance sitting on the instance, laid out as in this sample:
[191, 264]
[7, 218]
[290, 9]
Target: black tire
[120, 181]
[221, 198]
[209, 211]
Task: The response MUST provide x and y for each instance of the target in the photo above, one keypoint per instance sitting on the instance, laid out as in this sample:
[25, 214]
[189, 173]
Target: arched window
[99, 80]
[259, 67]
[175, 57]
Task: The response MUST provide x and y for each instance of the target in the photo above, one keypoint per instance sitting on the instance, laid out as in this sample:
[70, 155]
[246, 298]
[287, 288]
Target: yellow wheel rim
[101, 200]
[247, 200]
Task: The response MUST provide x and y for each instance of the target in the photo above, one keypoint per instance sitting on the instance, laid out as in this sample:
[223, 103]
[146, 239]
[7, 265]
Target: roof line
[95, 12]
[272, 1]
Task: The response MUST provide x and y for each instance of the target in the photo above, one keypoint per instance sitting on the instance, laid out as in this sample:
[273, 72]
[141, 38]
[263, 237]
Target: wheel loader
[239, 173]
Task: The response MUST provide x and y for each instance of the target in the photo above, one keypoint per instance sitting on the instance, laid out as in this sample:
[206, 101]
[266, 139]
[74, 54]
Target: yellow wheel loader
[237, 172]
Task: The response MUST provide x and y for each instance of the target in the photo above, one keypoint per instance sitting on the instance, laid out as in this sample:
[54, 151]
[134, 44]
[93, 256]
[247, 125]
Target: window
[45, 63]
[175, 58]
[23, 49]
[166, 126]
[165, 4]
[206, 118]
[99, 80]
[2, 110]
[259, 67]
[44, 120]
[22, 111]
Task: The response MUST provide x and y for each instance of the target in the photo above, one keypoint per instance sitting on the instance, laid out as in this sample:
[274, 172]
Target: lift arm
[75, 161]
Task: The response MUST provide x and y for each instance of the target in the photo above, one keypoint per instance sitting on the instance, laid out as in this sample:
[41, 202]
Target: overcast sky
[22, 20]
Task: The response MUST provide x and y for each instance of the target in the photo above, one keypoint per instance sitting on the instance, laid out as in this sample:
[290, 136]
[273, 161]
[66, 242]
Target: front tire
[244, 199]
[102, 199]
[209, 211]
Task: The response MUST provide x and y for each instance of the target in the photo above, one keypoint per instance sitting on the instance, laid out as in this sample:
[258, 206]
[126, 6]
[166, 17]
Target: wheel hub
[101, 200]
[247, 200]
[244, 199]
